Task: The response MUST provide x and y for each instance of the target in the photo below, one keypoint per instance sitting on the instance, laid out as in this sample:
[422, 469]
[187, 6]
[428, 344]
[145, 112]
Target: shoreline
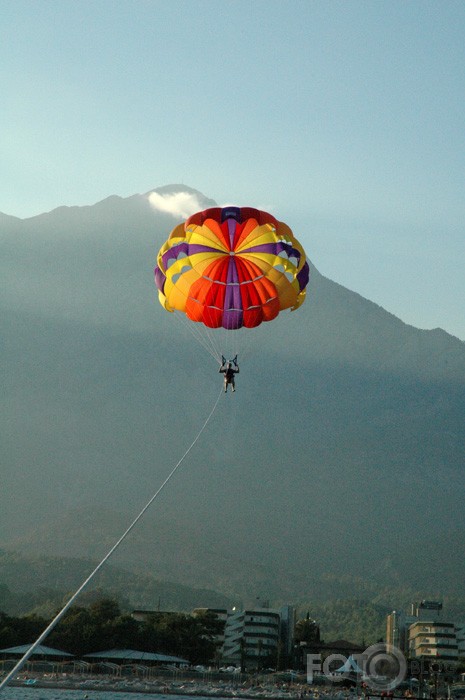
[197, 688]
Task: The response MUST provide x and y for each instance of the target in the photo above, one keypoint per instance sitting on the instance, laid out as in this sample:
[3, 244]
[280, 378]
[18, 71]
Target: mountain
[55, 578]
[341, 454]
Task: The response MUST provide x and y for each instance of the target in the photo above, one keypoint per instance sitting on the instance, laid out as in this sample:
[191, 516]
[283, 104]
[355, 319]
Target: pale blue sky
[345, 119]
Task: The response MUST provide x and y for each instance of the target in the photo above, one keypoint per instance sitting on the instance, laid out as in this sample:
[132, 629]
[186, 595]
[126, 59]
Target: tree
[102, 626]
[307, 631]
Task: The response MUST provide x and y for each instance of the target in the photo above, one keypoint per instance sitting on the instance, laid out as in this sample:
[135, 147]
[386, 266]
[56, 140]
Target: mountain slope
[55, 578]
[342, 452]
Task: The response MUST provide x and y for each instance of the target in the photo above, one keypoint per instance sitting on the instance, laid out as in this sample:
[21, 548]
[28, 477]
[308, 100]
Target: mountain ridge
[346, 606]
[342, 449]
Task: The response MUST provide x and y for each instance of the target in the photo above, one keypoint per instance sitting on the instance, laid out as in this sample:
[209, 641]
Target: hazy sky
[345, 119]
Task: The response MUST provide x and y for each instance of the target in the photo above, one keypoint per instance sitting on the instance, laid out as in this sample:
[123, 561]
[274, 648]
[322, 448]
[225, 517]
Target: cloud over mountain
[179, 204]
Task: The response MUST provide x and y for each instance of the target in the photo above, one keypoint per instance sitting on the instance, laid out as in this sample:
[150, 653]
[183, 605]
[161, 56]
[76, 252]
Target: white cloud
[178, 204]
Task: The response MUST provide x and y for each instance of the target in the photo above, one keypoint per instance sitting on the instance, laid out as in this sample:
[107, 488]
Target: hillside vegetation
[41, 585]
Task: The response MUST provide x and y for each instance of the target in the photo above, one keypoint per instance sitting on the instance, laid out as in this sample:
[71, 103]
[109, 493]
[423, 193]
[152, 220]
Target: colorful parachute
[231, 267]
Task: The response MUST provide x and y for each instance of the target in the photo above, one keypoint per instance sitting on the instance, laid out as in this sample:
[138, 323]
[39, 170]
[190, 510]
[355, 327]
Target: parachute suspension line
[211, 336]
[197, 334]
[214, 335]
[64, 610]
[239, 340]
[219, 342]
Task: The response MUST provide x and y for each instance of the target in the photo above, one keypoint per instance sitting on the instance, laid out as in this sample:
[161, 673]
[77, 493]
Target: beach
[70, 686]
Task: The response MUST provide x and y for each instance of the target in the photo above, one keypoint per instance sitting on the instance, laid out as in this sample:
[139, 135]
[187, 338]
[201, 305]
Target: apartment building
[433, 639]
[423, 633]
[255, 638]
[397, 627]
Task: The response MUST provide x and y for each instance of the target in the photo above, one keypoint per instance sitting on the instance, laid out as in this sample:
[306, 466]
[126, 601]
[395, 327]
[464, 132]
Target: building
[287, 631]
[460, 633]
[255, 638]
[428, 610]
[148, 615]
[423, 634]
[433, 639]
[339, 647]
[397, 626]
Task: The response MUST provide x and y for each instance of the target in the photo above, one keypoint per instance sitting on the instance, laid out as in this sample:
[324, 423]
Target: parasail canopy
[231, 267]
